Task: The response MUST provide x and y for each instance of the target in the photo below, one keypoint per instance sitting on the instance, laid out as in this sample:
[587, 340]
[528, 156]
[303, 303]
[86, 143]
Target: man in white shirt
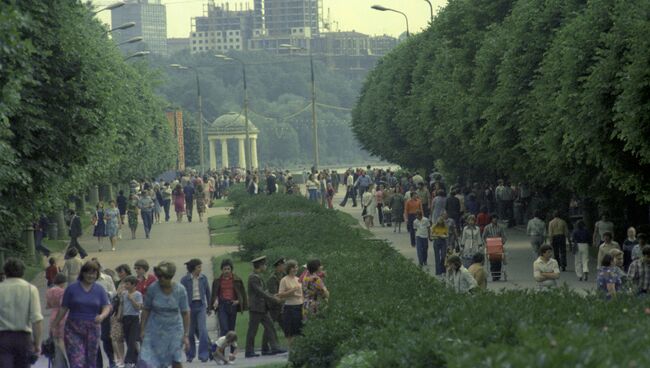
[546, 270]
[21, 321]
[422, 227]
[349, 190]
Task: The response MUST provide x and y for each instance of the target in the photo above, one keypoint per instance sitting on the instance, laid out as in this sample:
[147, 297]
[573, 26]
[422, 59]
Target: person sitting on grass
[228, 341]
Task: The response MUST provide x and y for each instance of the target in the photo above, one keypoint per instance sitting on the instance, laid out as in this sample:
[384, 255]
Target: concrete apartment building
[150, 22]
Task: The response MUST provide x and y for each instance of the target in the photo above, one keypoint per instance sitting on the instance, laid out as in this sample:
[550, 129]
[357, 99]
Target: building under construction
[222, 28]
[282, 17]
[268, 24]
[272, 24]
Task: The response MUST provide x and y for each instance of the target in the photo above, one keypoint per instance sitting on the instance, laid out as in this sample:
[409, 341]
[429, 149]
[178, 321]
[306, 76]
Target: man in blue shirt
[363, 182]
[189, 199]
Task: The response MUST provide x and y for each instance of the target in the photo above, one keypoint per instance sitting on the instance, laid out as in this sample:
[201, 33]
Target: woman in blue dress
[166, 321]
[100, 224]
[112, 217]
[608, 281]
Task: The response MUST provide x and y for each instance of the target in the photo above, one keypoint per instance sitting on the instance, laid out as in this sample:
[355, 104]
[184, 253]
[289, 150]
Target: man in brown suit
[258, 298]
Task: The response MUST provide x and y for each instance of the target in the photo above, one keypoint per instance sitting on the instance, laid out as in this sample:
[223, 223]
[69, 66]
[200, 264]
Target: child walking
[130, 308]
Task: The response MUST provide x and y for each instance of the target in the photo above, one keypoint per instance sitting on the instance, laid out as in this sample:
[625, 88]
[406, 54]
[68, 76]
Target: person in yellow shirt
[558, 234]
[439, 234]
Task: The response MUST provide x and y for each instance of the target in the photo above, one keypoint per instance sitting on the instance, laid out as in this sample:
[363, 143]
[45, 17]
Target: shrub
[385, 312]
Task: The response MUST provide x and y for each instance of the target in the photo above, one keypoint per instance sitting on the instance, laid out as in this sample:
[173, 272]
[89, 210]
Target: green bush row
[385, 312]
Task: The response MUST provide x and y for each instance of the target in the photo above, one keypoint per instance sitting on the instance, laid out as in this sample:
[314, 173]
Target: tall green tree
[73, 112]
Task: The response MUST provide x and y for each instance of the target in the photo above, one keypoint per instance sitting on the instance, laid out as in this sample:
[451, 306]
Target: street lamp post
[137, 54]
[200, 101]
[314, 122]
[243, 68]
[430, 8]
[131, 40]
[121, 27]
[115, 5]
[383, 8]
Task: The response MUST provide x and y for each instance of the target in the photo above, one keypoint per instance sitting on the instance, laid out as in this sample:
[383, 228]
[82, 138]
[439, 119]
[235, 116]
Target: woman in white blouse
[291, 292]
[470, 240]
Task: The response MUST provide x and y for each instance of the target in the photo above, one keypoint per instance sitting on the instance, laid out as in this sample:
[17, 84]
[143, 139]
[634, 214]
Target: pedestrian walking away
[558, 233]
[536, 230]
[580, 238]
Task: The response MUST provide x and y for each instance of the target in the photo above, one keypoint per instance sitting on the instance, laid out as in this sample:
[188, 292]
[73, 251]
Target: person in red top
[141, 268]
[228, 297]
[51, 271]
[483, 219]
[411, 208]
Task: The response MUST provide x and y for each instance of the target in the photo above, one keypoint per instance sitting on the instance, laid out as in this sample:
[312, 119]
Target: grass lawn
[223, 230]
[221, 203]
[227, 238]
[220, 223]
[243, 269]
[56, 246]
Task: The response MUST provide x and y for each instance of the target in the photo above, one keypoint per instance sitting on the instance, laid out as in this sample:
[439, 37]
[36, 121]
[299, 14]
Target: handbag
[364, 212]
[47, 348]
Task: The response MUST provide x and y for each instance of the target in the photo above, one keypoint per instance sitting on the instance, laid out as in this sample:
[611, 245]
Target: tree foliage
[554, 91]
[279, 86]
[73, 111]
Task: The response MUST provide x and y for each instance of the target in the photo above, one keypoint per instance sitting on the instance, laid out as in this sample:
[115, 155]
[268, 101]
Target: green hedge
[385, 312]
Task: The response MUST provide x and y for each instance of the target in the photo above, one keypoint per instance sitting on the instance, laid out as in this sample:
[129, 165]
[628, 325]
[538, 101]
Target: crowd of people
[149, 202]
[460, 221]
[145, 319]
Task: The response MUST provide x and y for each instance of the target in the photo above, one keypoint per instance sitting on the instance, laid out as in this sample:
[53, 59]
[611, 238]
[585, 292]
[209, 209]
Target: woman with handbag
[88, 304]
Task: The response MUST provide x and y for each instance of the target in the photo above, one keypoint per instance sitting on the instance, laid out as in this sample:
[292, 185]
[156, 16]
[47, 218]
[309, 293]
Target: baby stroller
[495, 253]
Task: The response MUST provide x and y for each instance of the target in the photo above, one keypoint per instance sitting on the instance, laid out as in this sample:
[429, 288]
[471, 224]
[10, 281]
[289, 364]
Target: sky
[350, 14]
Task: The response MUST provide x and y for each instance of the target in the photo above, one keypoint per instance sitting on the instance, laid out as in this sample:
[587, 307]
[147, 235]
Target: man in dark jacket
[453, 207]
[228, 297]
[275, 310]
[189, 200]
[270, 183]
[259, 298]
[75, 232]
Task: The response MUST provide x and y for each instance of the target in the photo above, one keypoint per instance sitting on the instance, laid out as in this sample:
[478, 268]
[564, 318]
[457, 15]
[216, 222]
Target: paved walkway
[520, 258]
[172, 242]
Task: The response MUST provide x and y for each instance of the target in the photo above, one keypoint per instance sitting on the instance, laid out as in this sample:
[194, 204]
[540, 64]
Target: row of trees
[278, 87]
[73, 111]
[554, 92]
